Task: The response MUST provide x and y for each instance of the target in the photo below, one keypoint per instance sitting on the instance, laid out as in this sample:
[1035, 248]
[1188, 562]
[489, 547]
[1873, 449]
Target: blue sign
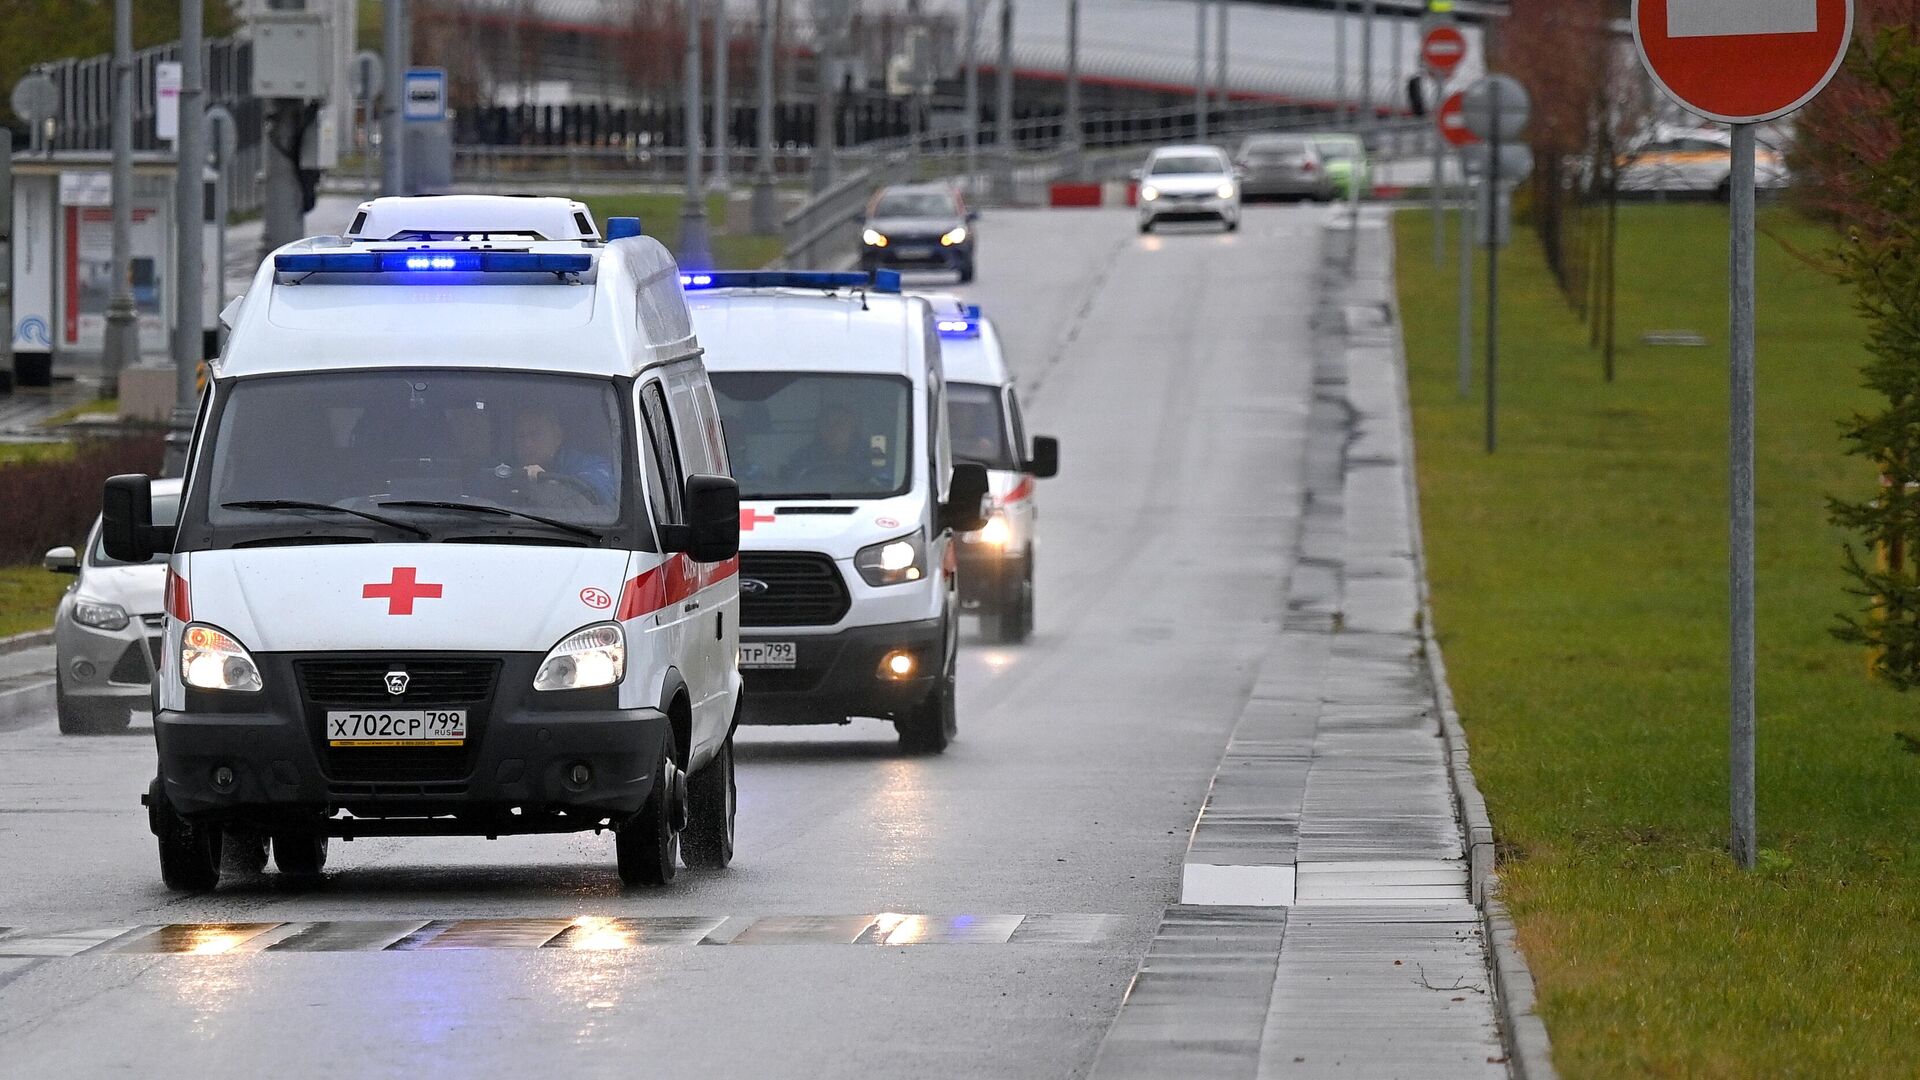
[425, 99]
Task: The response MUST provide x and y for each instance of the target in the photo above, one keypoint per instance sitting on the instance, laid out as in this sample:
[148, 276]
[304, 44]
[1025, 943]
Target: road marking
[582, 933]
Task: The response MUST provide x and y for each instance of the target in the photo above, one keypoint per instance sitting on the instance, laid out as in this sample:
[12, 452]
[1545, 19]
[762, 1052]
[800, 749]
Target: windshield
[813, 435]
[979, 425]
[1188, 165]
[915, 204]
[528, 442]
[166, 510]
[1274, 149]
[1337, 149]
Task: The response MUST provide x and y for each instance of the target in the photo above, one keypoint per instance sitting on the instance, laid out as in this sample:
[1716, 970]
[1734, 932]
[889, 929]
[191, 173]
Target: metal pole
[1741, 548]
[1369, 120]
[1003, 105]
[722, 141]
[1491, 226]
[1340, 95]
[1072, 123]
[121, 346]
[766, 208]
[1399, 56]
[695, 253]
[1438, 184]
[190, 212]
[6, 248]
[393, 46]
[1466, 285]
[1220, 10]
[221, 210]
[825, 95]
[971, 46]
[1200, 71]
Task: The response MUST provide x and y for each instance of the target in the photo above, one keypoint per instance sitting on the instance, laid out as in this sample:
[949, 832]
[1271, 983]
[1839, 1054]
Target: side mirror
[127, 530]
[62, 560]
[973, 216]
[713, 518]
[966, 506]
[1134, 174]
[1046, 457]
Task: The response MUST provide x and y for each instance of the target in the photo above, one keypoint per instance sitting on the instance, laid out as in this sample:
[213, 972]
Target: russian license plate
[398, 727]
[915, 253]
[768, 654]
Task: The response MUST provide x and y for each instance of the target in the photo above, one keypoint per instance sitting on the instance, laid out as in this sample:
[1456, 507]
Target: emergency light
[881, 281]
[458, 262]
[967, 326]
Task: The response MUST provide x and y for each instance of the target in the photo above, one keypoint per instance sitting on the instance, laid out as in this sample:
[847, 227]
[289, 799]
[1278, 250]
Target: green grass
[96, 407]
[659, 215]
[21, 453]
[1579, 582]
[27, 597]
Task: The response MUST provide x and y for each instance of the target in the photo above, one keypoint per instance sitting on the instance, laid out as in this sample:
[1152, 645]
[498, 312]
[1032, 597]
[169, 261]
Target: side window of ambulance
[665, 476]
[709, 411]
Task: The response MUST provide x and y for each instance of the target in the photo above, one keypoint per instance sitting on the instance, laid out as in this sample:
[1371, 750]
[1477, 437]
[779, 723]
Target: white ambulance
[456, 553]
[983, 409]
[835, 406]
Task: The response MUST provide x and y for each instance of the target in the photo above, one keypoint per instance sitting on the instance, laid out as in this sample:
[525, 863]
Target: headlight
[872, 238]
[1225, 191]
[210, 660]
[590, 656]
[955, 235]
[893, 562]
[1148, 193]
[996, 531]
[99, 616]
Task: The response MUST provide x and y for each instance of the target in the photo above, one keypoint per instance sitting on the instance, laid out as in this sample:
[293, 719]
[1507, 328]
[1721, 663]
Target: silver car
[106, 631]
[1282, 167]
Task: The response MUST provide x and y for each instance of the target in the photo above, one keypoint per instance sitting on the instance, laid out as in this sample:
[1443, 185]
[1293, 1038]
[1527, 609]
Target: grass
[659, 215]
[27, 597]
[22, 453]
[96, 407]
[1579, 581]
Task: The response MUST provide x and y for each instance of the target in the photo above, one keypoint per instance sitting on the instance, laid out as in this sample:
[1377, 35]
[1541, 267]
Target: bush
[47, 503]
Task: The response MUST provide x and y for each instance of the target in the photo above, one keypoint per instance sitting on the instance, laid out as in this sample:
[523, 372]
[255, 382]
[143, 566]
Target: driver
[837, 449]
[538, 436]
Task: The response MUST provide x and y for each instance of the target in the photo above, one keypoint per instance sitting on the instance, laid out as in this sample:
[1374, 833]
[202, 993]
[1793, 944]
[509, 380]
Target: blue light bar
[444, 262]
[881, 281]
[967, 326]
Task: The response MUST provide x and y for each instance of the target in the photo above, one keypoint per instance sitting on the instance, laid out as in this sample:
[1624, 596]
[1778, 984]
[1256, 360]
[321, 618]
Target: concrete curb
[32, 639]
[1529, 1051]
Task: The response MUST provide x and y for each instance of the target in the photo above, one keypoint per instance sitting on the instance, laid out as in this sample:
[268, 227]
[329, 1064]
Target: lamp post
[766, 209]
[695, 252]
[121, 346]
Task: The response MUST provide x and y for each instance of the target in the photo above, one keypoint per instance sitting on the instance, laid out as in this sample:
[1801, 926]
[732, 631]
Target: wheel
[966, 273]
[189, 853]
[1146, 227]
[712, 799]
[302, 855]
[932, 724]
[1021, 617]
[647, 847]
[1232, 223]
[90, 716]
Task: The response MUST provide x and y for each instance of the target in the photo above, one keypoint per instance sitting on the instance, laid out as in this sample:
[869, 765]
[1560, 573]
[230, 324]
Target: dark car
[918, 227]
[1282, 167]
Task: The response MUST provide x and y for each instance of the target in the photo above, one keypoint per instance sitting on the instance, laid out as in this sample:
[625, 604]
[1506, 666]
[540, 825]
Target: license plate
[398, 727]
[916, 253]
[768, 654]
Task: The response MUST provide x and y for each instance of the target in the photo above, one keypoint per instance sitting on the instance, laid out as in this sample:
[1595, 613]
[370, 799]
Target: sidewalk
[1329, 922]
[26, 677]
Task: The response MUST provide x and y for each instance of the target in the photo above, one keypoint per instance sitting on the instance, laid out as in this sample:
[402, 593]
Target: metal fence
[85, 117]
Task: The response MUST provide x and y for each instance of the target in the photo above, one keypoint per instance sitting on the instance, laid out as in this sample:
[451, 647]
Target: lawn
[659, 216]
[1579, 581]
[27, 596]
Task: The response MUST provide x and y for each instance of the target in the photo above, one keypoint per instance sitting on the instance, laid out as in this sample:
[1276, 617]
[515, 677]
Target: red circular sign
[1742, 61]
[1451, 118]
[596, 598]
[1442, 50]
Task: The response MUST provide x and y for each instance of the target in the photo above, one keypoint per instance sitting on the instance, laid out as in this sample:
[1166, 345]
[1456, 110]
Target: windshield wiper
[489, 508]
[301, 504]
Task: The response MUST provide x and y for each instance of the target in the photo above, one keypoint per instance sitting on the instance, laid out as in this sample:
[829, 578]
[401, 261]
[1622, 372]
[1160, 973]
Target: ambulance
[983, 410]
[456, 553]
[835, 408]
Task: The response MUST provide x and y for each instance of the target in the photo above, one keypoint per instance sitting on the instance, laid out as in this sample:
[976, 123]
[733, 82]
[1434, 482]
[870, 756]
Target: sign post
[1742, 62]
[1442, 48]
[1496, 109]
[1451, 122]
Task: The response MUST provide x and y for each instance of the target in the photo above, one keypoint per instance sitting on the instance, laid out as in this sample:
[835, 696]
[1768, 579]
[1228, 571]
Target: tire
[712, 799]
[647, 847]
[189, 853]
[90, 716]
[300, 855]
[966, 274]
[931, 726]
[1233, 224]
[1146, 227]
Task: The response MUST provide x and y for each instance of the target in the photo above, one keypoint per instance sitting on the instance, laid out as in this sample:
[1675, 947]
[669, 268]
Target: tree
[1871, 156]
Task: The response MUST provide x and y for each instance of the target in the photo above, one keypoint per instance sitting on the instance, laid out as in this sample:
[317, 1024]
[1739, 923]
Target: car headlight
[100, 616]
[872, 238]
[893, 562]
[996, 531]
[210, 660]
[590, 656]
[1225, 191]
[1148, 193]
[955, 235]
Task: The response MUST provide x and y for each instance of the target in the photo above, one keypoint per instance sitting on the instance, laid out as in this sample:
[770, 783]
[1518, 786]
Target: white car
[1689, 161]
[983, 410]
[835, 402]
[1188, 183]
[456, 553]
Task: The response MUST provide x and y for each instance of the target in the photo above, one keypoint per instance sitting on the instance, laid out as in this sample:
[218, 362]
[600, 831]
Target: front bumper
[108, 664]
[1169, 208]
[837, 675]
[520, 751]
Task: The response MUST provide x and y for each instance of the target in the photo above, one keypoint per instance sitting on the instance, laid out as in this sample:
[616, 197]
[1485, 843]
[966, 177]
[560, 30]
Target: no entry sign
[1442, 49]
[1452, 120]
[1742, 61]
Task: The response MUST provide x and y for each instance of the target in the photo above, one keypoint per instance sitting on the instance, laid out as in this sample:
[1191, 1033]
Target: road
[1042, 849]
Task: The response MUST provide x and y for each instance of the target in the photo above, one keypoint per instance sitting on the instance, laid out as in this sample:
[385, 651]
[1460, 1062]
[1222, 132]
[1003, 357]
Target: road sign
[222, 140]
[1451, 119]
[1442, 50]
[35, 98]
[1496, 101]
[166, 100]
[369, 75]
[1742, 61]
[1516, 161]
[425, 100]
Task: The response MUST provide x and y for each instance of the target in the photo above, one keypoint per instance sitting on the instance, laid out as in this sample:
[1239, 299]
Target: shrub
[51, 502]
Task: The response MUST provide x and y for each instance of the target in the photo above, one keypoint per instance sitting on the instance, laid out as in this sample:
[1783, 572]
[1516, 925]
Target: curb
[1529, 1050]
[32, 639]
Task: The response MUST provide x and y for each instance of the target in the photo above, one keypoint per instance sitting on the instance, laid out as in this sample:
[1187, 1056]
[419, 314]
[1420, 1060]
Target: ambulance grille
[800, 589]
[430, 682]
